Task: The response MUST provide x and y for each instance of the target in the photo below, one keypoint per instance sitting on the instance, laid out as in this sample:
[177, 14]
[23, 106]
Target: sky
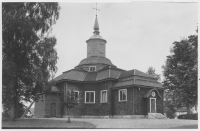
[138, 34]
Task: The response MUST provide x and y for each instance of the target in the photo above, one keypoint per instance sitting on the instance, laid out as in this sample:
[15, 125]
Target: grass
[186, 127]
[143, 123]
[45, 124]
[61, 123]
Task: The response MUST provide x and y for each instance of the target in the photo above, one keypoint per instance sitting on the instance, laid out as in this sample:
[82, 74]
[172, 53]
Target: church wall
[160, 103]
[95, 109]
[51, 98]
[140, 100]
[140, 107]
[135, 104]
[125, 107]
[39, 107]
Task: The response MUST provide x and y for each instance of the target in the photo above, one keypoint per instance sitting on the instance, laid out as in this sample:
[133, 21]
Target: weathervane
[96, 9]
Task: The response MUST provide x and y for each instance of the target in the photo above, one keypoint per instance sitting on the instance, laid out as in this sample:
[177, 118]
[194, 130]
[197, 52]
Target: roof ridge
[85, 77]
[145, 74]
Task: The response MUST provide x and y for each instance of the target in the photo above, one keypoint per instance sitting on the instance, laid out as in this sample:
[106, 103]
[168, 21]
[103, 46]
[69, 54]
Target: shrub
[170, 111]
[189, 116]
[5, 116]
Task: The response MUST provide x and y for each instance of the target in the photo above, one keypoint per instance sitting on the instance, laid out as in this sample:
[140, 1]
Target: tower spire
[96, 45]
[96, 24]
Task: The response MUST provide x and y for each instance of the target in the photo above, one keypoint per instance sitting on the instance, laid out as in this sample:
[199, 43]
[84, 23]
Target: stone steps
[156, 116]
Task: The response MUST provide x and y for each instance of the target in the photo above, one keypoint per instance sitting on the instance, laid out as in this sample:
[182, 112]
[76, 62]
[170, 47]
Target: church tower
[96, 45]
[96, 51]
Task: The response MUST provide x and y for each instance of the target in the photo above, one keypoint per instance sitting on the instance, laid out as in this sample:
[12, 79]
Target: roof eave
[68, 80]
[96, 39]
[142, 86]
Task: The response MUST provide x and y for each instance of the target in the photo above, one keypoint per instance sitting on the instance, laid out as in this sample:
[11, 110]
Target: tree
[27, 51]
[69, 100]
[180, 72]
[151, 71]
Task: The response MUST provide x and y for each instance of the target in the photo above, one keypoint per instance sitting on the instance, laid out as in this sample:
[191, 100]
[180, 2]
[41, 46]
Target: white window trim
[78, 94]
[119, 95]
[106, 96]
[85, 97]
[155, 104]
[94, 67]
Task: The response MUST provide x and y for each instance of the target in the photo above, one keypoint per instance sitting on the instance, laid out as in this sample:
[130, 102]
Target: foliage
[151, 71]
[28, 53]
[180, 72]
[70, 101]
[170, 111]
[189, 116]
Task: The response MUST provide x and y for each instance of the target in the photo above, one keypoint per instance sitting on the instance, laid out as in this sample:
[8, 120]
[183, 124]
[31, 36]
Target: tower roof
[96, 24]
[96, 31]
[96, 60]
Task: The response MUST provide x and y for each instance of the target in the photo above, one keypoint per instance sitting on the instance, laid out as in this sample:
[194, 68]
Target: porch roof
[149, 93]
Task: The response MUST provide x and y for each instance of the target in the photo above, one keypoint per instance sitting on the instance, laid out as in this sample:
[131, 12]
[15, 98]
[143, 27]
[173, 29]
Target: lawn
[45, 124]
[143, 123]
[61, 123]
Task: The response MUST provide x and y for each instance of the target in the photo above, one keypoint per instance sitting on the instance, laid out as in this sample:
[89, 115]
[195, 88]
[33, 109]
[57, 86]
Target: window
[76, 95]
[153, 93]
[90, 97]
[92, 68]
[123, 95]
[104, 96]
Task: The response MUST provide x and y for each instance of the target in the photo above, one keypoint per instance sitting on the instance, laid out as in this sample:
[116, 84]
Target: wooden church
[103, 89]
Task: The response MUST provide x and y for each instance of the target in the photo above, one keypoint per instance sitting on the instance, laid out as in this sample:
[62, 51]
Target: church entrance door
[152, 105]
[53, 109]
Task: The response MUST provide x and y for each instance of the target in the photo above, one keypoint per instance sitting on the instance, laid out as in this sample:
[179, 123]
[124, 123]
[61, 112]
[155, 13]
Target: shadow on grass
[186, 127]
[45, 124]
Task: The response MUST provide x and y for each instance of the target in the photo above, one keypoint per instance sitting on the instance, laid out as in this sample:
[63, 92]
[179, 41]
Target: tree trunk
[12, 110]
[11, 113]
[27, 109]
[62, 109]
[68, 120]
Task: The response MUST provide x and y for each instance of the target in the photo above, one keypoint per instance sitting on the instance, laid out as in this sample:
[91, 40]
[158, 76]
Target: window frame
[102, 95]
[92, 67]
[119, 95]
[85, 97]
[78, 95]
[153, 94]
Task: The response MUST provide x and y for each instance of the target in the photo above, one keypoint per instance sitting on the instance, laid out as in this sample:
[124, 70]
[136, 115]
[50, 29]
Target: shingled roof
[125, 78]
[83, 76]
[135, 73]
[96, 60]
[136, 77]
[91, 76]
[139, 82]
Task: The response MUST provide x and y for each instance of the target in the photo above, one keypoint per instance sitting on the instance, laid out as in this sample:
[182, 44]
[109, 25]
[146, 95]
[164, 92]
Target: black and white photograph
[99, 64]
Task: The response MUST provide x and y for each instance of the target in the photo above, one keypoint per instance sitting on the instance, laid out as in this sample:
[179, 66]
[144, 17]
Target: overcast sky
[138, 34]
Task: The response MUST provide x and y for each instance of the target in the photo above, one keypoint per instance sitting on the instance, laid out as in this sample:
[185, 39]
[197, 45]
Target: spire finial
[96, 9]
[96, 25]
